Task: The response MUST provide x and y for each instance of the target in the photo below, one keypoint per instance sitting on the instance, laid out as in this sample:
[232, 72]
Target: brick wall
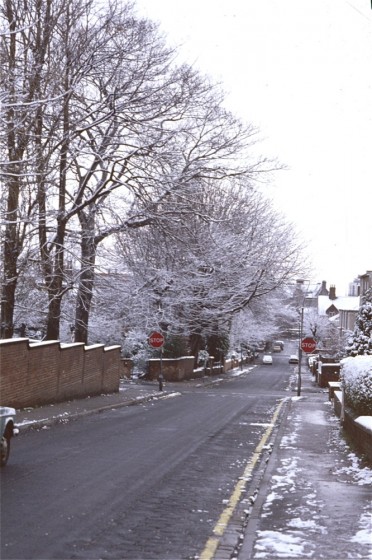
[36, 373]
[71, 364]
[112, 369]
[126, 368]
[93, 369]
[359, 435]
[177, 369]
[13, 369]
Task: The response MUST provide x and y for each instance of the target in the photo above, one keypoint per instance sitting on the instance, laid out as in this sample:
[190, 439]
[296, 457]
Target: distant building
[361, 284]
[354, 287]
[365, 282]
[344, 309]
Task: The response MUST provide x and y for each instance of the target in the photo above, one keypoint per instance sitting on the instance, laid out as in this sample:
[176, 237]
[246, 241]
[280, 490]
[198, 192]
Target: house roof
[344, 303]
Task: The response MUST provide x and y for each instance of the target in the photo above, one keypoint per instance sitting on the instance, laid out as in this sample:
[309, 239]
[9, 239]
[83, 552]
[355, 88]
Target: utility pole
[300, 352]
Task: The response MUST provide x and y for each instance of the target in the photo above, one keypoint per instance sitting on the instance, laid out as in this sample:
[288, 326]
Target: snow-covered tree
[227, 256]
[361, 340]
[103, 133]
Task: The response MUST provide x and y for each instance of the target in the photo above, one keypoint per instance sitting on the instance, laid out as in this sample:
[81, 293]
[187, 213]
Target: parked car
[267, 359]
[311, 358]
[8, 430]
[293, 359]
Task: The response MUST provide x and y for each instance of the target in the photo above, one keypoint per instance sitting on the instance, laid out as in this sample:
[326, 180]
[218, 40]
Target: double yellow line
[221, 525]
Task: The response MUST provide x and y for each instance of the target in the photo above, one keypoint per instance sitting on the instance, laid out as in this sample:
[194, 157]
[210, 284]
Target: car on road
[277, 348]
[8, 430]
[267, 359]
[293, 359]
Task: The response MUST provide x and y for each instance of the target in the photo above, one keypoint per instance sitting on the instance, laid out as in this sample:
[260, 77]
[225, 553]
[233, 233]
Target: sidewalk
[130, 392]
[314, 500]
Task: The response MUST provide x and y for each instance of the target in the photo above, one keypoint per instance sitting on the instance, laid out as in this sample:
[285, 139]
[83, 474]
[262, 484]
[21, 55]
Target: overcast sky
[302, 73]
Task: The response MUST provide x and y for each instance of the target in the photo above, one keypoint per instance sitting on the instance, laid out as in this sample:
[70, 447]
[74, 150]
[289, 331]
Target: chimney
[323, 289]
[332, 292]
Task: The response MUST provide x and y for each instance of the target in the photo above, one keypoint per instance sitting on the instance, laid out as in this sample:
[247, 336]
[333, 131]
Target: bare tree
[106, 135]
[36, 89]
[157, 133]
[25, 49]
[232, 252]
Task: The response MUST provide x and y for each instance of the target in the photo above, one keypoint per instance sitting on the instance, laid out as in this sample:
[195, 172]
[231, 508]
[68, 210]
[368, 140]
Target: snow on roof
[344, 303]
[348, 303]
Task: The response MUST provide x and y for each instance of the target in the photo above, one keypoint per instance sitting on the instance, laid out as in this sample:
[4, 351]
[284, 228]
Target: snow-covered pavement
[315, 498]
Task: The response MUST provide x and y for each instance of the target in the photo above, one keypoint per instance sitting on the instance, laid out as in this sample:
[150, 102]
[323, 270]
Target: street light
[300, 283]
[300, 351]
[300, 290]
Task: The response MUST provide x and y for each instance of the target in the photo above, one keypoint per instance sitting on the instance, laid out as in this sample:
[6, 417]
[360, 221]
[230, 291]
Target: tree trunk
[55, 286]
[54, 314]
[86, 281]
[11, 247]
[217, 346]
[11, 254]
[195, 343]
[56, 289]
[8, 294]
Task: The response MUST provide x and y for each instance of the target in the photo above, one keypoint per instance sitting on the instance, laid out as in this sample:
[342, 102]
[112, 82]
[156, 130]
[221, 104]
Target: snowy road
[149, 481]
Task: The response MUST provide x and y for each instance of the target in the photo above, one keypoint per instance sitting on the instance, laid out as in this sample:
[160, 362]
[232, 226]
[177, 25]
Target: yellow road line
[220, 527]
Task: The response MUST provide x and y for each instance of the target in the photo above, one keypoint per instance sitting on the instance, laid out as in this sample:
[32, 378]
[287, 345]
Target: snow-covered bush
[361, 341]
[356, 378]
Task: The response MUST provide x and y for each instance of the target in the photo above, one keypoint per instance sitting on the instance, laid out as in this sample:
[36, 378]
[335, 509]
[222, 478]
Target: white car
[293, 359]
[7, 431]
[267, 360]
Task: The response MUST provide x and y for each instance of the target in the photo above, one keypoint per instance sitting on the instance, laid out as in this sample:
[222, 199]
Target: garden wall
[37, 373]
[358, 433]
[178, 369]
[181, 369]
[328, 372]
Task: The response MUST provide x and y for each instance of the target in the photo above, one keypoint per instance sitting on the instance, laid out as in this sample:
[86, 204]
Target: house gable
[332, 310]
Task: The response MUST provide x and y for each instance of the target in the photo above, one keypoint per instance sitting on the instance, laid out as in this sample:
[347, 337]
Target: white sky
[302, 73]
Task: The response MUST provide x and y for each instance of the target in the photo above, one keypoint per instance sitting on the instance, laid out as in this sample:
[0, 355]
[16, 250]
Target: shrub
[361, 340]
[356, 379]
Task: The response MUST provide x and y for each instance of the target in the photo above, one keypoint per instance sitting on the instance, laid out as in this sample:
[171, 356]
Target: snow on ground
[280, 544]
[365, 421]
[305, 520]
[360, 475]
[364, 535]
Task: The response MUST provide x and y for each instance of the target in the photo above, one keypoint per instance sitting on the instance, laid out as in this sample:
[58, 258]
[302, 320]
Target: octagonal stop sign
[308, 345]
[156, 339]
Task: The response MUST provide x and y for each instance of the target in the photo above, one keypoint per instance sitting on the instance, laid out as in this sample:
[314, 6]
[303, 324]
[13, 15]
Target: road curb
[239, 527]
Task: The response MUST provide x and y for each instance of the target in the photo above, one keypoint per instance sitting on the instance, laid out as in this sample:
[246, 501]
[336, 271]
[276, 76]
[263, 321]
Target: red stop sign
[156, 339]
[308, 345]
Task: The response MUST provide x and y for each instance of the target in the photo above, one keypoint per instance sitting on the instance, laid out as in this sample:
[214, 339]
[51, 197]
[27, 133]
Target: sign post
[156, 340]
[308, 345]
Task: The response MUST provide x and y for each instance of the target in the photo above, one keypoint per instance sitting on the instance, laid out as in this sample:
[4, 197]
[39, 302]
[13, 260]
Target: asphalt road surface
[142, 482]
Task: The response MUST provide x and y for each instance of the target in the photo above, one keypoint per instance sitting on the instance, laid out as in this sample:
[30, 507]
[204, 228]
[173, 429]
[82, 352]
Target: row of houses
[341, 309]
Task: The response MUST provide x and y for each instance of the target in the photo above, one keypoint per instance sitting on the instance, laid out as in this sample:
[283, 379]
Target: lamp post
[301, 334]
[300, 351]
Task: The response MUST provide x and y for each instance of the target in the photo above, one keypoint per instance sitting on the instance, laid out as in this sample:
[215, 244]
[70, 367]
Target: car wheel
[4, 451]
